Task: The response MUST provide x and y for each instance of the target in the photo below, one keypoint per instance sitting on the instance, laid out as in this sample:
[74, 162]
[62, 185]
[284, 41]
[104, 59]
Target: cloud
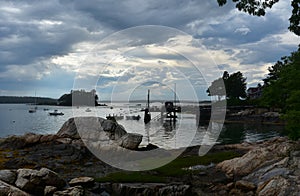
[41, 38]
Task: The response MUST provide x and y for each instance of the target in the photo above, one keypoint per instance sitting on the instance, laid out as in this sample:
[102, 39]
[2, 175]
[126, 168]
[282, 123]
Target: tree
[217, 88]
[258, 8]
[273, 74]
[281, 81]
[232, 86]
[236, 86]
[283, 91]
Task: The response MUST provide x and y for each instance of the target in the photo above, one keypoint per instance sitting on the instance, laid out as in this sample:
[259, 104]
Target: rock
[34, 181]
[6, 189]
[148, 147]
[83, 181]
[72, 191]
[31, 138]
[69, 130]
[13, 142]
[115, 130]
[17, 142]
[275, 186]
[271, 114]
[175, 190]
[64, 140]
[150, 189]
[87, 125]
[245, 185]
[8, 176]
[270, 151]
[130, 141]
[268, 172]
[50, 178]
[230, 185]
[97, 133]
[49, 190]
[48, 138]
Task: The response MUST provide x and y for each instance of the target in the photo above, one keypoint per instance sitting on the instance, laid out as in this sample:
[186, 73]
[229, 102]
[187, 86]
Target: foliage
[173, 169]
[233, 86]
[282, 90]
[217, 88]
[130, 177]
[236, 86]
[282, 83]
[37, 100]
[258, 8]
[292, 118]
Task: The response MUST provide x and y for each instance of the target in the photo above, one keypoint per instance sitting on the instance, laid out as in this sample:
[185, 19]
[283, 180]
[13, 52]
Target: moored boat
[56, 113]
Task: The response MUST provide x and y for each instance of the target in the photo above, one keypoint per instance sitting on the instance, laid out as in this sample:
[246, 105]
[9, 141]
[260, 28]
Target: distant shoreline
[53, 102]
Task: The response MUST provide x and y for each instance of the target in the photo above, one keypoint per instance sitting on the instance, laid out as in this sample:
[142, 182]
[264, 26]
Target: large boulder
[268, 152]
[7, 189]
[98, 133]
[130, 141]
[150, 189]
[8, 176]
[82, 181]
[69, 130]
[80, 126]
[35, 181]
[77, 190]
[276, 186]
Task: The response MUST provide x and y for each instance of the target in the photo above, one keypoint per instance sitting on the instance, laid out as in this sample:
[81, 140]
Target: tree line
[281, 90]
[28, 100]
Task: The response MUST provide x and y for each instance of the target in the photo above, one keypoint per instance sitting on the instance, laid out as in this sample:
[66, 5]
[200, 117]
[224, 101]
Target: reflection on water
[15, 120]
[232, 133]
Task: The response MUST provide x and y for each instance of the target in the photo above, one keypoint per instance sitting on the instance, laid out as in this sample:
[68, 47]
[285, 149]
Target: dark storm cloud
[123, 14]
[33, 32]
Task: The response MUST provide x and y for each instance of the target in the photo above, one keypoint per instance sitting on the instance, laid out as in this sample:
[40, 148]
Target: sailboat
[33, 110]
[147, 115]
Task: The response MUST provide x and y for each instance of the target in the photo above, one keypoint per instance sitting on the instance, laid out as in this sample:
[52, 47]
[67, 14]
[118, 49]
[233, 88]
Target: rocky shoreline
[60, 164]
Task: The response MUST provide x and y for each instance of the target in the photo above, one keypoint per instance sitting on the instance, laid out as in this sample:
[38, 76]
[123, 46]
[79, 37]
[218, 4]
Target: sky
[123, 48]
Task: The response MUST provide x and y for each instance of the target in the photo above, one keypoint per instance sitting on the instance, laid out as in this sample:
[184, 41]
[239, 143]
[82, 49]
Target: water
[16, 120]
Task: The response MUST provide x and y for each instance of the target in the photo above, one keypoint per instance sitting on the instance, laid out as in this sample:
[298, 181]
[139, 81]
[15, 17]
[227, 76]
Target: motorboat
[56, 113]
[136, 117]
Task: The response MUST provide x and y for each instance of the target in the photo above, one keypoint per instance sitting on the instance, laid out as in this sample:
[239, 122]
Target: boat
[114, 117]
[46, 109]
[32, 110]
[88, 110]
[136, 117]
[147, 115]
[56, 113]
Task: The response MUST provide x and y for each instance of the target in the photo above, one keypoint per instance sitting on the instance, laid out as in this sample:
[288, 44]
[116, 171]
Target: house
[255, 92]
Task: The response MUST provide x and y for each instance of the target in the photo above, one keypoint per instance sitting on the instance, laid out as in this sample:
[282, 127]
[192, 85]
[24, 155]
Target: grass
[131, 177]
[3, 156]
[173, 169]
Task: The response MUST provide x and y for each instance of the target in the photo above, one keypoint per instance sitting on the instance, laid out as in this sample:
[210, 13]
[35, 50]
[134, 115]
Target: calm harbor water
[16, 120]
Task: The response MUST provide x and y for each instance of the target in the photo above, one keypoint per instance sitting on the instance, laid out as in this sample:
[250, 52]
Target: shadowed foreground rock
[270, 168]
[80, 130]
[47, 182]
[94, 129]
[61, 164]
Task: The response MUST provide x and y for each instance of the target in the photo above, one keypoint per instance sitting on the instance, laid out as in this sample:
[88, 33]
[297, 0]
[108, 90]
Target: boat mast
[147, 116]
[148, 99]
[175, 95]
